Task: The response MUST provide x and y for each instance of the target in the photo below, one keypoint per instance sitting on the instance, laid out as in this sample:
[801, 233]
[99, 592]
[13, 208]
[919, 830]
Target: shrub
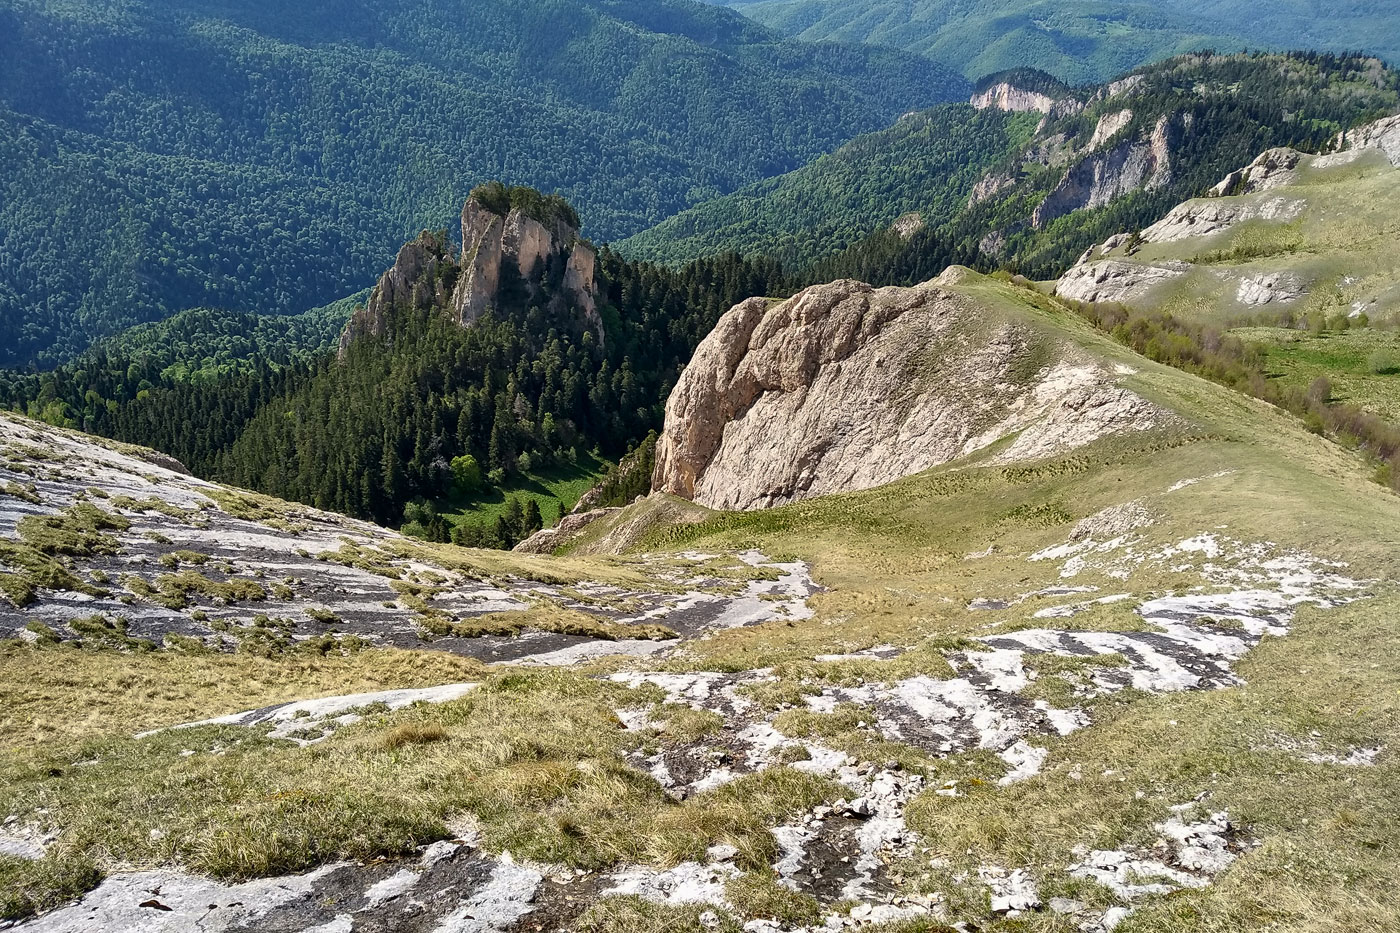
[1384, 362]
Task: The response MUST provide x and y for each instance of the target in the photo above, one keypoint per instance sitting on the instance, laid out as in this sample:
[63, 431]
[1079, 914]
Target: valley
[1076, 42]
[983, 654]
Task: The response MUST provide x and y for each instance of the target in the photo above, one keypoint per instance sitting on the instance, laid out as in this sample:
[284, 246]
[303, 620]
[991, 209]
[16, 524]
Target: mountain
[1280, 283]
[480, 382]
[1072, 671]
[1287, 237]
[927, 162]
[991, 609]
[1034, 172]
[159, 156]
[1077, 41]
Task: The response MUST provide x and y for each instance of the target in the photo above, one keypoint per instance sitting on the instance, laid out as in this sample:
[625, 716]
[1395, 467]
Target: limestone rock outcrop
[1273, 167]
[546, 540]
[1108, 126]
[491, 239]
[1006, 96]
[846, 387]
[906, 225]
[1206, 217]
[497, 244]
[1132, 165]
[1264, 288]
[482, 232]
[988, 185]
[1383, 135]
[1112, 280]
[418, 278]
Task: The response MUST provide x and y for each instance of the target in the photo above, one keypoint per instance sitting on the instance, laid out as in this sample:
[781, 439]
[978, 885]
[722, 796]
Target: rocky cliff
[1005, 96]
[491, 239]
[421, 276]
[1268, 234]
[537, 246]
[847, 387]
[1133, 165]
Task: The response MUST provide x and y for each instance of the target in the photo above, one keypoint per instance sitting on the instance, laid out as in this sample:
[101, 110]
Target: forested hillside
[976, 178]
[926, 162]
[428, 411]
[1082, 41]
[158, 156]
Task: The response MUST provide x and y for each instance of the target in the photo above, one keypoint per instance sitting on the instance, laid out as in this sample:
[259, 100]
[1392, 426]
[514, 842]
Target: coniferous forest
[428, 411]
[160, 155]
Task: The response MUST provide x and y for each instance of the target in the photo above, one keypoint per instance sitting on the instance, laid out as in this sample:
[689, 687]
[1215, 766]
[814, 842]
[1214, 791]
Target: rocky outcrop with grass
[101, 547]
[512, 238]
[1265, 237]
[846, 387]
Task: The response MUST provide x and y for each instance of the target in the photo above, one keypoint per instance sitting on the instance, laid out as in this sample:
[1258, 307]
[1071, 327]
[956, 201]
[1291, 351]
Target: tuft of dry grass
[412, 733]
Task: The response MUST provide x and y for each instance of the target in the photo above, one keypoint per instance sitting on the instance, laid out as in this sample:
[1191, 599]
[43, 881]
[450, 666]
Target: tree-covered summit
[546, 209]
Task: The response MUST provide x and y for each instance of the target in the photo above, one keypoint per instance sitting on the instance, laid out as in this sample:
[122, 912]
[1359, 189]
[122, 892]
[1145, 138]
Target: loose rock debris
[849, 853]
[303, 574]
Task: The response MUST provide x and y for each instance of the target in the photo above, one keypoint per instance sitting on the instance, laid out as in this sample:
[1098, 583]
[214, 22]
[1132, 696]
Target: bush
[1384, 362]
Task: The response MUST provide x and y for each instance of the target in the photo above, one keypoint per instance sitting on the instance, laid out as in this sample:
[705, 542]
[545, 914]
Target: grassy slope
[1343, 248]
[566, 483]
[1363, 365]
[893, 558]
[533, 755]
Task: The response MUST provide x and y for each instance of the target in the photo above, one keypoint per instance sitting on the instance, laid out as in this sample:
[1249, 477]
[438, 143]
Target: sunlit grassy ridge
[1330, 230]
[533, 757]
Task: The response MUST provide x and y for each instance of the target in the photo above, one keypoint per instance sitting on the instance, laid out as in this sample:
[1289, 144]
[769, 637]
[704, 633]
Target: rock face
[426, 275]
[846, 387]
[989, 185]
[1008, 97]
[491, 240]
[481, 262]
[1108, 125]
[1132, 165]
[1383, 135]
[415, 280]
[1115, 281]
